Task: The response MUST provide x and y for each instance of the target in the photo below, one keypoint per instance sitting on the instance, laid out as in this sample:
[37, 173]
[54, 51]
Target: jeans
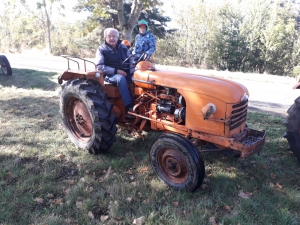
[121, 81]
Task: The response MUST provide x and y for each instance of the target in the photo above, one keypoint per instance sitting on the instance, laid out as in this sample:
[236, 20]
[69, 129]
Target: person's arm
[101, 66]
[152, 45]
[134, 50]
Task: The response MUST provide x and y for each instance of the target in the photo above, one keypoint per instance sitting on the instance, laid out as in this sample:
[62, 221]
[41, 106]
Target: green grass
[45, 179]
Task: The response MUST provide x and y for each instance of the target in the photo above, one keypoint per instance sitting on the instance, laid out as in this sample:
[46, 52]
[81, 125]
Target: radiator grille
[239, 114]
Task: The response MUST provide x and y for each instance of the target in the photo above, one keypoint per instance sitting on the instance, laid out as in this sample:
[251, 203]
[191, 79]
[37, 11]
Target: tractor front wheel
[177, 162]
[87, 115]
[292, 123]
[5, 65]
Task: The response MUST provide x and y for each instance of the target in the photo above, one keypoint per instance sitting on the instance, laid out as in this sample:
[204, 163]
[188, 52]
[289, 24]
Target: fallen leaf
[103, 218]
[212, 220]
[109, 171]
[58, 201]
[129, 199]
[248, 193]
[227, 207]
[175, 203]
[135, 183]
[50, 195]
[72, 182]
[61, 156]
[10, 173]
[68, 221]
[39, 200]
[87, 172]
[242, 194]
[272, 159]
[91, 215]
[139, 221]
[144, 170]
[278, 185]
[273, 175]
[66, 191]
[146, 201]
[129, 172]
[79, 204]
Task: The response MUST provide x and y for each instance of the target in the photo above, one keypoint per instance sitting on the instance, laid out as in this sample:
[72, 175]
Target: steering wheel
[127, 65]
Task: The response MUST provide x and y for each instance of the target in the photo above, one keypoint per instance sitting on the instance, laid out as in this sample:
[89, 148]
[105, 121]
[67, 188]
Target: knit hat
[140, 23]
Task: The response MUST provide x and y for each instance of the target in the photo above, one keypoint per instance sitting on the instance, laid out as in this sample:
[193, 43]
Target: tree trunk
[127, 28]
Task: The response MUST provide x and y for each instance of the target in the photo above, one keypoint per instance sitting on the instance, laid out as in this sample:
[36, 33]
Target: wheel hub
[173, 165]
[79, 119]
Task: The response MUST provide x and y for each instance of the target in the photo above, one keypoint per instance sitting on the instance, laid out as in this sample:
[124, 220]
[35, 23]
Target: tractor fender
[91, 75]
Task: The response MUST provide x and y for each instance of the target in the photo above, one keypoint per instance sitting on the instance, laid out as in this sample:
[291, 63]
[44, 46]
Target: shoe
[129, 108]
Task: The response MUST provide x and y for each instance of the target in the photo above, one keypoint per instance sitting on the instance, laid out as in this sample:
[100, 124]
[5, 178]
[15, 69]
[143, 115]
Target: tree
[44, 14]
[114, 12]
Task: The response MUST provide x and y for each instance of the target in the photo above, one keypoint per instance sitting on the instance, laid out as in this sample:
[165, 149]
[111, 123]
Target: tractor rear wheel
[292, 123]
[87, 115]
[177, 162]
[5, 65]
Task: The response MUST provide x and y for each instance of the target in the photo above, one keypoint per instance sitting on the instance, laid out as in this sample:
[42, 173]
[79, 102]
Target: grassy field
[45, 179]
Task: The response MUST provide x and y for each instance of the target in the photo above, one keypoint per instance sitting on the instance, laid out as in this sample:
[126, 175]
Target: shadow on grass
[30, 107]
[29, 79]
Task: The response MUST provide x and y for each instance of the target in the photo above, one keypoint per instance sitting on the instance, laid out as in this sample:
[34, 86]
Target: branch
[120, 9]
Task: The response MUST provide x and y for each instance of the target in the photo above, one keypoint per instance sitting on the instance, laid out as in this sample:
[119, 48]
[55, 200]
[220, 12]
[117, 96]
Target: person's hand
[122, 72]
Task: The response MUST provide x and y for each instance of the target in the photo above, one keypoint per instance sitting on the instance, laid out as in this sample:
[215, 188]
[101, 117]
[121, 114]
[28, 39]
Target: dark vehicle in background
[292, 123]
[5, 65]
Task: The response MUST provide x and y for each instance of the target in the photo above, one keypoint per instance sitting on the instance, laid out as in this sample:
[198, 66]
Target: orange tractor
[292, 123]
[196, 114]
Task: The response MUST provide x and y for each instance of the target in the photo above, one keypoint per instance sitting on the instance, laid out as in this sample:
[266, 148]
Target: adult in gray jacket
[110, 56]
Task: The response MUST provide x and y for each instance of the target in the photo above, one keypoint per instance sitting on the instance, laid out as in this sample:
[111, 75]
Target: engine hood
[225, 90]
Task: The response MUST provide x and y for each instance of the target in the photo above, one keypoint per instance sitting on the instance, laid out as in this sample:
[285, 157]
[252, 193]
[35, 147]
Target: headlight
[208, 110]
[245, 97]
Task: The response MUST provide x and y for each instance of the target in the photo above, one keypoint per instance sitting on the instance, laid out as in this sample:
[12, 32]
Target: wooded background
[237, 35]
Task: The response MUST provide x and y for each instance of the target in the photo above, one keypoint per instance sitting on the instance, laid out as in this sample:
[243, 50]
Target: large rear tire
[177, 162]
[292, 123]
[5, 65]
[87, 115]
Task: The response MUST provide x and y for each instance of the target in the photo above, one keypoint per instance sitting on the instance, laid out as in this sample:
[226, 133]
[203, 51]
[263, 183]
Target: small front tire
[177, 162]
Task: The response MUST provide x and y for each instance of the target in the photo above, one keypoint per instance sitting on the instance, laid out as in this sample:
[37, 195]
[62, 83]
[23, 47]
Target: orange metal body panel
[224, 90]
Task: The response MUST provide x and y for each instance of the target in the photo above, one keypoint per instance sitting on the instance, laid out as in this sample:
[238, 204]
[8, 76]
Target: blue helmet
[140, 23]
